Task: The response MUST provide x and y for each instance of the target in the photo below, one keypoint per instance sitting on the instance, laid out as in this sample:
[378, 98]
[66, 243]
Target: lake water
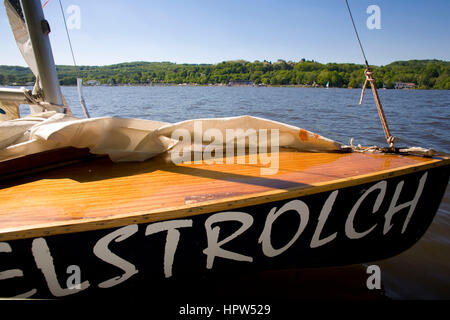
[416, 118]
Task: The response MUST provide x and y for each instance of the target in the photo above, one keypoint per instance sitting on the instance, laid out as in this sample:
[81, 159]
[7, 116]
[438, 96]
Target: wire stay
[79, 79]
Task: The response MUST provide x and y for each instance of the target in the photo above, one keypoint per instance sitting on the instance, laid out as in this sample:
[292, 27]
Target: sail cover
[128, 139]
[138, 140]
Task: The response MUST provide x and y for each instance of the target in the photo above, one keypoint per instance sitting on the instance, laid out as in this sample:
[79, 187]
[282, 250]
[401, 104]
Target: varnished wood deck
[100, 194]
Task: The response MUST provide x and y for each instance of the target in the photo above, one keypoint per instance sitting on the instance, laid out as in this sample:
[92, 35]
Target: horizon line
[232, 60]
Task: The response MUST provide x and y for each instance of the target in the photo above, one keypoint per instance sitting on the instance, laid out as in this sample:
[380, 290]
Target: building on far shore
[92, 83]
[404, 85]
[241, 83]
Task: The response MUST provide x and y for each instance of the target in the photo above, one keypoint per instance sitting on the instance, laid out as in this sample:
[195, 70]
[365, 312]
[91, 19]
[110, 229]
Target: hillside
[425, 74]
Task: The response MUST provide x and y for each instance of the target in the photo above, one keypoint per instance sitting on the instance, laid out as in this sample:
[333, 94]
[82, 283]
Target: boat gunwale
[209, 206]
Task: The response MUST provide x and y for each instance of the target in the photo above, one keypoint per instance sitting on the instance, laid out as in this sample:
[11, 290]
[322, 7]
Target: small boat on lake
[95, 206]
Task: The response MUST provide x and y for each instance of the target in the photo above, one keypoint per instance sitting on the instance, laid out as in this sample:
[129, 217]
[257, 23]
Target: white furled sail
[19, 29]
[24, 43]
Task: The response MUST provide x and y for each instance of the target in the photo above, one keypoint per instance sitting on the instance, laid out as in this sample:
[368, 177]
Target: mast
[38, 29]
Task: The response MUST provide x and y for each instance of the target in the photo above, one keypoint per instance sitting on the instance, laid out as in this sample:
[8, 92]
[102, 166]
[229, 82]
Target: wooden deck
[100, 194]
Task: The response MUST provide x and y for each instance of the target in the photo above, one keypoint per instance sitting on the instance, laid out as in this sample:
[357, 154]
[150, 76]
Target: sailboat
[327, 85]
[97, 205]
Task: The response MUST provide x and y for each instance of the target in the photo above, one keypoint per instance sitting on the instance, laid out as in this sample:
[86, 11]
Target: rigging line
[356, 32]
[369, 78]
[77, 70]
[68, 37]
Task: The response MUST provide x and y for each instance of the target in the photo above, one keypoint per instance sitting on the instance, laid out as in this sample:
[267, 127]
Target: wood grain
[101, 194]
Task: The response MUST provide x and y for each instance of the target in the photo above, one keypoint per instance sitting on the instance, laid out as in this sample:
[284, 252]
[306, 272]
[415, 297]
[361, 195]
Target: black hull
[357, 224]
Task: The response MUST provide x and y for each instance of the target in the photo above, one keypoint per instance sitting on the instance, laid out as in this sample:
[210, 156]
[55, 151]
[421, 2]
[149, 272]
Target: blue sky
[200, 31]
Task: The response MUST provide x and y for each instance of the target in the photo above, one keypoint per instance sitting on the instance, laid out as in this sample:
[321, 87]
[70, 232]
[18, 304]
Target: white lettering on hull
[172, 238]
[215, 247]
[349, 224]
[44, 262]
[394, 207]
[13, 273]
[102, 251]
[265, 239]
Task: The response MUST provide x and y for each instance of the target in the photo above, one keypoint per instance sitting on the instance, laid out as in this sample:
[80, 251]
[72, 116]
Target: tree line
[425, 74]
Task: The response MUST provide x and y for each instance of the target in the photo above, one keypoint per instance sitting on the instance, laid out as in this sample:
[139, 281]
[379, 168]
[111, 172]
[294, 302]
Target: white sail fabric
[21, 35]
[136, 139]
[23, 42]
[20, 32]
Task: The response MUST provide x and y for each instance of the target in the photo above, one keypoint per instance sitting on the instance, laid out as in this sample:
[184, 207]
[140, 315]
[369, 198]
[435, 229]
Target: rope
[68, 38]
[414, 151]
[369, 78]
[77, 70]
[30, 97]
[37, 100]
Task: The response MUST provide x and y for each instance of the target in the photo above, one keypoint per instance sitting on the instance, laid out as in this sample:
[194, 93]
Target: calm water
[416, 118]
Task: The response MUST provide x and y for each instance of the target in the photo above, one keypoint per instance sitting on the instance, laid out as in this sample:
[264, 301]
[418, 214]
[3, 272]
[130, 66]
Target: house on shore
[404, 85]
[241, 83]
[92, 83]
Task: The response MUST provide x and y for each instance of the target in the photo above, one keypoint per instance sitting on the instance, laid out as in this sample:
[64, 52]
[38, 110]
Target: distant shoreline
[234, 86]
[221, 85]
[420, 74]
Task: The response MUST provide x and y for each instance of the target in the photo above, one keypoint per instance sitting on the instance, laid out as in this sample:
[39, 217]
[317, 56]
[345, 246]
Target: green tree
[11, 78]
